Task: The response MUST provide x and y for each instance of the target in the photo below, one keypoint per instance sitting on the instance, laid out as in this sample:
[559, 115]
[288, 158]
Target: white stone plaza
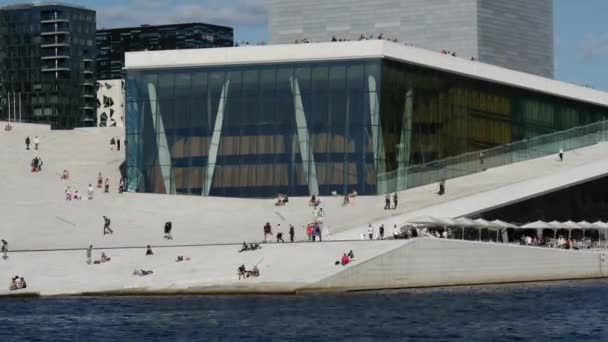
[48, 235]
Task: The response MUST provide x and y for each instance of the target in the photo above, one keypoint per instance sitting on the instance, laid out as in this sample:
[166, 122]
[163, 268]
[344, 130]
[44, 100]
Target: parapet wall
[438, 262]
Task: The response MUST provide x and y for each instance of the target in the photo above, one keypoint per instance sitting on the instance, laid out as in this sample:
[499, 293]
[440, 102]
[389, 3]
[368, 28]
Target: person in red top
[309, 231]
[345, 260]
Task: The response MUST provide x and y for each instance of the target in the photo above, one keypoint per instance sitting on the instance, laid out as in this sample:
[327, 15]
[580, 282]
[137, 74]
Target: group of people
[387, 201]
[249, 247]
[100, 183]
[36, 164]
[268, 235]
[17, 283]
[28, 141]
[115, 142]
[69, 195]
[244, 273]
[282, 200]
[313, 231]
[102, 260]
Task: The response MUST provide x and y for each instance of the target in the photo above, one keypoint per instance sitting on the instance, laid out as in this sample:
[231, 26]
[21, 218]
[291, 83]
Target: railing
[473, 162]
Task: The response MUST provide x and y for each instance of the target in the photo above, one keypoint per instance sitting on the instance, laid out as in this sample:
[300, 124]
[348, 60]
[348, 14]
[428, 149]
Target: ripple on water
[565, 311]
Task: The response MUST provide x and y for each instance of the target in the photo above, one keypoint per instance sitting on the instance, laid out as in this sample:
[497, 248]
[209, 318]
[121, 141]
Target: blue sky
[581, 28]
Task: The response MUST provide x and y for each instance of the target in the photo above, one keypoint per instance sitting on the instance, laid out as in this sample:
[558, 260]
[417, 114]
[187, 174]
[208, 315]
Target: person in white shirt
[36, 142]
[395, 232]
[370, 232]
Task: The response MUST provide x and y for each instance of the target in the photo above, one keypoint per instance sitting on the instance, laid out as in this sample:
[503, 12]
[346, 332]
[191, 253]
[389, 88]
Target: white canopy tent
[536, 225]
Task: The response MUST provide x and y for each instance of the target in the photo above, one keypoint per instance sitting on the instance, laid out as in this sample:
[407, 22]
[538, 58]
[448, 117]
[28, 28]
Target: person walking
[395, 200]
[280, 237]
[168, 227]
[36, 142]
[112, 143]
[441, 187]
[267, 231]
[317, 232]
[106, 226]
[4, 249]
[381, 232]
[370, 232]
[561, 154]
[292, 233]
[387, 202]
[90, 192]
[89, 254]
[27, 143]
[117, 144]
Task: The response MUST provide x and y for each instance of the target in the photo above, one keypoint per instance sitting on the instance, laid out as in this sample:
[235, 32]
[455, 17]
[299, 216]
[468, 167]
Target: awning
[502, 224]
[600, 225]
[537, 225]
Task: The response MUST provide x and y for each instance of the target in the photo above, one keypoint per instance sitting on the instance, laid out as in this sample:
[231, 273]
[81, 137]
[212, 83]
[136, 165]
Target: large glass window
[302, 128]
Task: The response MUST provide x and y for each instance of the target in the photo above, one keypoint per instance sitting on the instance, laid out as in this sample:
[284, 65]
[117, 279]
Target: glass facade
[47, 69]
[304, 128]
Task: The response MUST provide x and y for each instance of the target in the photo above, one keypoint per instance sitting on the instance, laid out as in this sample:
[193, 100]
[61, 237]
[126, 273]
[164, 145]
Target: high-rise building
[47, 69]
[113, 43]
[515, 34]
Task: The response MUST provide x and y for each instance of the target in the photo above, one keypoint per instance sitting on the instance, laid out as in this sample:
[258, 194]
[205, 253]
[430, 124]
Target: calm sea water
[568, 311]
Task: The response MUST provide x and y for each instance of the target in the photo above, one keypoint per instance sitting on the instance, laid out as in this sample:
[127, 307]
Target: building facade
[318, 118]
[47, 70]
[111, 103]
[515, 34]
[113, 43]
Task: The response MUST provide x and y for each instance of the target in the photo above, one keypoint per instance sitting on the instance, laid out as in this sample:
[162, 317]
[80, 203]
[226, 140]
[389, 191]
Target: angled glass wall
[315, 128]
[253, 131]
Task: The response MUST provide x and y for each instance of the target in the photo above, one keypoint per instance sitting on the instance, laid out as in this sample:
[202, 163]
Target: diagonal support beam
[164, 157]
[403, 157]
[308, 159]
[377, 138]
[215, 139]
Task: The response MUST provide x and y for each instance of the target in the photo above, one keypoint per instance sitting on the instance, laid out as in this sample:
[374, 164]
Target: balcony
[54, 57]
[54, 45]
[88, 96]
[54, 33]
[87, 72]
[87, 107]
[55, 69]
[54, 21]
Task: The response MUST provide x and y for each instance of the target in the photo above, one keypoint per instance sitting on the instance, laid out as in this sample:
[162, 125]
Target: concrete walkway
[36, 216]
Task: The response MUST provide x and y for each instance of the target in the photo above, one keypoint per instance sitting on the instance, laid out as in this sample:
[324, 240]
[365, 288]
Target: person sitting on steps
[244, 248]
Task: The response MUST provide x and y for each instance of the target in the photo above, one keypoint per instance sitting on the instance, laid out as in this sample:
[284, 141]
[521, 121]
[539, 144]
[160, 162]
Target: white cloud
[595, 46]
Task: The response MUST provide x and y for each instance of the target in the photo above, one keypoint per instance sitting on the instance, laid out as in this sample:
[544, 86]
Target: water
[565, 311]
